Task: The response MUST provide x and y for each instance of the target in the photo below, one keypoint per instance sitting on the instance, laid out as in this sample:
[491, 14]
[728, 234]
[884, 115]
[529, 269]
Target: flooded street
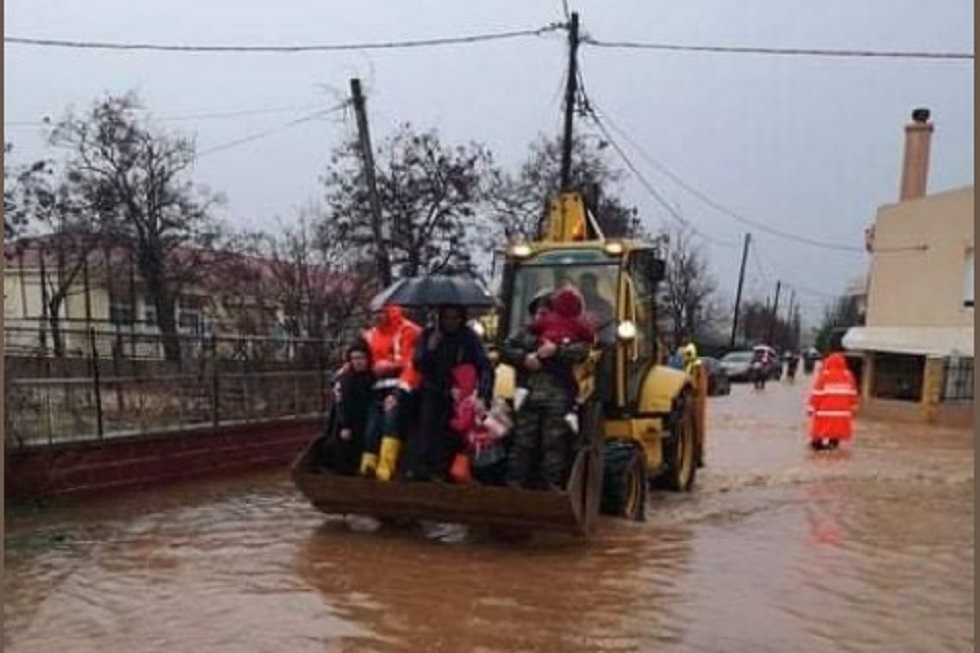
[869, 548]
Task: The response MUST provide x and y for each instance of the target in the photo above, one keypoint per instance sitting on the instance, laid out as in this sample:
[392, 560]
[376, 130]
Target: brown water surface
[869, 548]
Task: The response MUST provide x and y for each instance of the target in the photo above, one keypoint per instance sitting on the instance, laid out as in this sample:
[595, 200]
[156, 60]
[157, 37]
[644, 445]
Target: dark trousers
[433, 445]
[380, 423]
[340, 456]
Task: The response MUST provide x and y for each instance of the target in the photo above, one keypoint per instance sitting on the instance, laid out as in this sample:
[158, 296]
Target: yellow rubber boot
[388, 460]
[369, 464]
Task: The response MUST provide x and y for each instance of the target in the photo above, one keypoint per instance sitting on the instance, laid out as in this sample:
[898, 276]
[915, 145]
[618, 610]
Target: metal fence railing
[958, 379]
[47, 411]
[74, 339]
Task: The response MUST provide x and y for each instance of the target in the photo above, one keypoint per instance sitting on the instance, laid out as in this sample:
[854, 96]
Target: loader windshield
[593, 272]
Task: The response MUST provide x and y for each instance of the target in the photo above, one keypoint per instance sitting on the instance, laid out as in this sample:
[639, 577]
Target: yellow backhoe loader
[641, 422]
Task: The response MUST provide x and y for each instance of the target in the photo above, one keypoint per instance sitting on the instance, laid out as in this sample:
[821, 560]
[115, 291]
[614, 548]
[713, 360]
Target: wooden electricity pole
[381, 240]
[774, 317]
[570, 88]
[738, 292]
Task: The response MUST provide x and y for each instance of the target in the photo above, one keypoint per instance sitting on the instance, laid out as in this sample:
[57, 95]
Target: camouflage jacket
[547, 384]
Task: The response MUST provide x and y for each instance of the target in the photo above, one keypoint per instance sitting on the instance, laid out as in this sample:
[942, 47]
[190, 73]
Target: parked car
[736, 364]
[718, 381]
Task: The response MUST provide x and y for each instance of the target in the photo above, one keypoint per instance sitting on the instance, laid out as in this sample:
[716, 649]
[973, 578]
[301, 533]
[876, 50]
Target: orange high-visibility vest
[394, 343]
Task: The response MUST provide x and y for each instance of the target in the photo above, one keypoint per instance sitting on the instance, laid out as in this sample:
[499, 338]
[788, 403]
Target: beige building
[105, 305]
[917, 344]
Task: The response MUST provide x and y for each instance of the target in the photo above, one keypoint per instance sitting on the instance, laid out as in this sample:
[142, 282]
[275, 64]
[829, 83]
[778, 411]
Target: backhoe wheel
[624, 481]
[680, 448]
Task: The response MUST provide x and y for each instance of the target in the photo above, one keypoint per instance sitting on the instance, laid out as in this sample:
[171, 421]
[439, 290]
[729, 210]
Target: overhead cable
[269, 132]
[198, 116]
[587, 109]
[720, 207]
[283, 49]
[493, 36]
[809, 52]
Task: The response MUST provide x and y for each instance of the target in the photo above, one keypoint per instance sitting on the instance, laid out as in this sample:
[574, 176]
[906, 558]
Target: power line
[656, 195]
[494, 36]
[198, 116]
[287, 49]
[589, 112]
[790, 284]
[810, 52]
[269, 132]
[720, 207]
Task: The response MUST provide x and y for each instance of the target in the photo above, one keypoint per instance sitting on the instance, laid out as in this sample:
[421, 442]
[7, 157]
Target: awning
[927, 341]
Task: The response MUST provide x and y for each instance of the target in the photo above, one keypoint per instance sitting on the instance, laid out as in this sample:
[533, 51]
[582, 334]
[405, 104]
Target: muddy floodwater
[869, 548]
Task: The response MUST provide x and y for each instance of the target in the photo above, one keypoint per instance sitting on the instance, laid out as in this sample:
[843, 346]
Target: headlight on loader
[626, 330]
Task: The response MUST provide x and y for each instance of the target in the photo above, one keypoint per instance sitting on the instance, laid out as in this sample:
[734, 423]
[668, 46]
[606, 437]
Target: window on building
[149, 311]
[189, 313]
[898, 376]
[968, 279]
[121, 310]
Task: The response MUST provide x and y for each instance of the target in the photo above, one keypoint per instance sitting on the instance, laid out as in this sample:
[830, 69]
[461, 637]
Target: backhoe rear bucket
[571, 511]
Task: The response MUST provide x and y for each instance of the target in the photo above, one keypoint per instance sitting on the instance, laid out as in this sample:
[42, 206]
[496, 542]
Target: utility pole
[381, 239]
[789, 310]
[775, 314]
[789, 318]
[738, 293]
[570, 88]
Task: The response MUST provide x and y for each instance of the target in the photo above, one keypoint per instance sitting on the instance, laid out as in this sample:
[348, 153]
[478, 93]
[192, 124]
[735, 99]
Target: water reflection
[481, 594]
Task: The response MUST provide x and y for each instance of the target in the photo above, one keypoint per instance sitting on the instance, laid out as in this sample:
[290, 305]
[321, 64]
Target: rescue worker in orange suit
[392, 341]
[832, 402]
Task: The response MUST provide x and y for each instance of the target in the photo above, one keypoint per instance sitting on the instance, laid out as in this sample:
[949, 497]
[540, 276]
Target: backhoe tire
[680, 448]
[624, 481]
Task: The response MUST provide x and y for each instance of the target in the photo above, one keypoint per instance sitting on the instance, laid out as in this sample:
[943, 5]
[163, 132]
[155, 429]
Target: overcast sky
[804, 144]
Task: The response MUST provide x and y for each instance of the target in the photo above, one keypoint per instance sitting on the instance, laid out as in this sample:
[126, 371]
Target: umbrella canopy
[379, 300]
[434, 290]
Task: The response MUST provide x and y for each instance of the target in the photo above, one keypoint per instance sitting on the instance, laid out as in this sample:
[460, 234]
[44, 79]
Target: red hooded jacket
[833, 400]
[565, 321]
[464, 417]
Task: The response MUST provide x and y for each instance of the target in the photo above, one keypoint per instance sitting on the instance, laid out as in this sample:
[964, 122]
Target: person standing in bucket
[392, 341]
[543, 438]
[352, 395]
[441, 348]
[832, 402]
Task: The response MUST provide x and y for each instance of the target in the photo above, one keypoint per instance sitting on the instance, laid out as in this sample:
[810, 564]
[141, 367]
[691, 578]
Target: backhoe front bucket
[567, 511]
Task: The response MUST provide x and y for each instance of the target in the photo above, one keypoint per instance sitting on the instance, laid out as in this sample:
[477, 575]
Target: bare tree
[842, 312]
[13, 220]
[758, 324]
[688, 297]
[430, 196]
[519, 201]
[132, 180]
[54, 229]
[322, 284]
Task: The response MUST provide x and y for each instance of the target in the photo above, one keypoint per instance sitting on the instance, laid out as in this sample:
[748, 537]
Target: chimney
[915, 167]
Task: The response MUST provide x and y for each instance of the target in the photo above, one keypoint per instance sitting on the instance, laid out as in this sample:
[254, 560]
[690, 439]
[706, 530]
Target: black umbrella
[434, 290]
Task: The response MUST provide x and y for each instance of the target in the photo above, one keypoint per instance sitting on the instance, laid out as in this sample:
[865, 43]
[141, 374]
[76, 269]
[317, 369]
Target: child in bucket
[480, 432]
[352, 403]
[563, 324]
